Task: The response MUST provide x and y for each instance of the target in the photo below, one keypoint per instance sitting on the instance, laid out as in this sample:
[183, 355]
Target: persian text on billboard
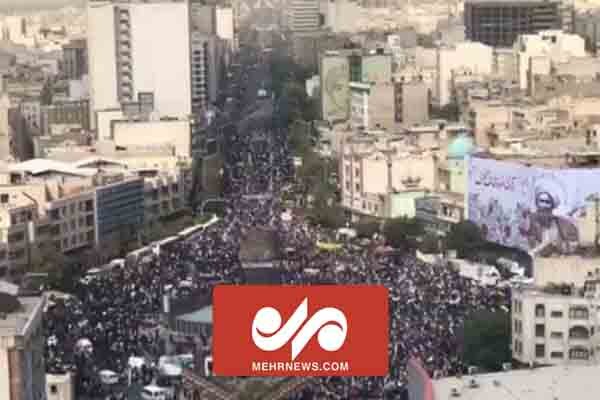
[529, 207]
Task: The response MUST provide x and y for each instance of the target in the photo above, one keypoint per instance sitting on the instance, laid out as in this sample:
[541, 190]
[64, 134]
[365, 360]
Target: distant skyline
[41, 4]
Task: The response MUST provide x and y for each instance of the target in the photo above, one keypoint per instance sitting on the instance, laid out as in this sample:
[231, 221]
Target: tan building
[22, 371]
[372, 106]
[382, 177]
[556, 329]
[60, 387]
[412, 102]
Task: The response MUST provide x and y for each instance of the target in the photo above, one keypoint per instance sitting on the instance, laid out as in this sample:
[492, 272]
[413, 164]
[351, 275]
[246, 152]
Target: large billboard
[335, 77]
[530, 208]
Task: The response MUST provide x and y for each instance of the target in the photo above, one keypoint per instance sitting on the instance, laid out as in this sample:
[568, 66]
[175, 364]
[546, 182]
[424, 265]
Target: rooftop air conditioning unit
[473, 384]
[472, 370]
[454, 392]
[506, 366]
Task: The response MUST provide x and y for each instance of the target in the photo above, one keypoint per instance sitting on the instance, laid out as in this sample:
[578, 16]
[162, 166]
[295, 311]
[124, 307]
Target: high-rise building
[75, 59]
[497, 23]
[138, 47]
[22, 372]
[304, 15]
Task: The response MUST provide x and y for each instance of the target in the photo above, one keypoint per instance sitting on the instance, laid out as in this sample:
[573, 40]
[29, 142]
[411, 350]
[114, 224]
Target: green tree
[430, 244]
[464, 237]
[403, 232]
[486, 340]
[367, 228]
[47, 259]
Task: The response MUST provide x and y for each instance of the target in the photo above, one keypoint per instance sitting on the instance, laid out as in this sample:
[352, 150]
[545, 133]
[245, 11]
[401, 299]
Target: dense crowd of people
[103, 323]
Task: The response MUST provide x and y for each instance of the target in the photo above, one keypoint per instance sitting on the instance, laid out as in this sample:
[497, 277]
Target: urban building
[412, 100]
[472, 56]
[536, 54]
[439, 211]
[382, 177]
[22, 369]
[554, 381]
[341, 15]
[338, 68]
[140, 47]
[498, 23]
[587, 25]
[63, 116]
[554, 328]
[60, 387]
[304, 16]
[75, 59]
[372, 106]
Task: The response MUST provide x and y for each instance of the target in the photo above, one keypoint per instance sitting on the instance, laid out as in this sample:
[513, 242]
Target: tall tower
[139, 47]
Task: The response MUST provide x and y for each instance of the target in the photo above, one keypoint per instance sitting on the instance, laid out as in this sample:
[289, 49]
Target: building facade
[411, 102]
[555, 328]
[22, 370]
[372, 106]
[498, 23]
[75, 59]
[140, 47]
[304, 16]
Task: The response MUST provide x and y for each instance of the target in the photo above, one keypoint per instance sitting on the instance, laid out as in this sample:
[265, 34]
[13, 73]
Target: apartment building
[138, 47]
[382, 177]
[372, 106]
[22, 370]
[497, 23]
[304, 16]
[557, 329]
[18, 214]
[75, 59]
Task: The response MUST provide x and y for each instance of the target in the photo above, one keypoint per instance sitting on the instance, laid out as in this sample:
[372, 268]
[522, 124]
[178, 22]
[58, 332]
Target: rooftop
[39, 166]
[530, 384]
[18, 316]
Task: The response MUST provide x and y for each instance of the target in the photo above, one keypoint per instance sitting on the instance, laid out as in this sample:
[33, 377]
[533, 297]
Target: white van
[153, 392]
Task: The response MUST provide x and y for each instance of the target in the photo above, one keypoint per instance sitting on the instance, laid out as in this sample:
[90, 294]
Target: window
[557, 354]
[556, 314]
[357, 187]
[540, 330]
[53, 389]
[556, 335]
[540, 311]
[579, 332]
[540, 350]
[579, 353]
[578, 313]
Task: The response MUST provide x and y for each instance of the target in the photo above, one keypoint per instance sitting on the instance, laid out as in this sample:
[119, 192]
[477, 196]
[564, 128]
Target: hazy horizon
[41, 4]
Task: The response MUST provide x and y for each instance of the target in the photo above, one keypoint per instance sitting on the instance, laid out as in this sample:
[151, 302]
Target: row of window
[575, 312]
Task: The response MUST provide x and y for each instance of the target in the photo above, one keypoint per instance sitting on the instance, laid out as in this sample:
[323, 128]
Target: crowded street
[103, 325]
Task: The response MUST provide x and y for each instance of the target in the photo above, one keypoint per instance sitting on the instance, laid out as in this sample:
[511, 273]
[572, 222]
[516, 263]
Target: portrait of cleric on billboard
[531, 208]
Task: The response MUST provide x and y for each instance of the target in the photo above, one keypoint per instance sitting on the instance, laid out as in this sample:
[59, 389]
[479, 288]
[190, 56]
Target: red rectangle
[300, 330]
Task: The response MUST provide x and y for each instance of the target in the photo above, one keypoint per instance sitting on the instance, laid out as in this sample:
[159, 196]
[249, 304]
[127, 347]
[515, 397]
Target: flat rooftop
[559, 382]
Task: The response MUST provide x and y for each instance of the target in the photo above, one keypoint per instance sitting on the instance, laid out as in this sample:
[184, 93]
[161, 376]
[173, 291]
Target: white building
[304, 15]
[474, 56]
[557, 382]
[15, 28]
[548, 48]
[382, 177]
[138, 47]
[224, 23]
[555, 328]
[342, 15]
[22, 375]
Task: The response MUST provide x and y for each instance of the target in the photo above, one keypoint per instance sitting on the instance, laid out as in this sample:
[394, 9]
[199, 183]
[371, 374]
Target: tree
[464, 237]
[486, 339]
[403, 232]
[329, 217]
[430, 244]
[47, 259]
[367, 228]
